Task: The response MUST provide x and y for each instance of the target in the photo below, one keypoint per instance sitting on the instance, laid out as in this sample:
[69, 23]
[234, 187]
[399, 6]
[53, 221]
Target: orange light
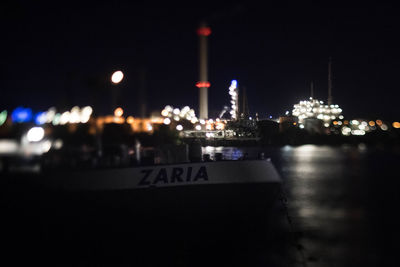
[371, 123]
[119, 120]
[118, 112]
[396, 124]
[335, 123]
[346, 122]
[130, 120]
[379, 122]
[294, 123]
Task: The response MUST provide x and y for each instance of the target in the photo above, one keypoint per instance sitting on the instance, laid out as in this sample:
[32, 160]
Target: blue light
[21, 114]
[234, 83]
[40, 118]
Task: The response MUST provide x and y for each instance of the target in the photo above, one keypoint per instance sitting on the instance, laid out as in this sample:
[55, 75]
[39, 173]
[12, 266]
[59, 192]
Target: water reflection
[333, 202]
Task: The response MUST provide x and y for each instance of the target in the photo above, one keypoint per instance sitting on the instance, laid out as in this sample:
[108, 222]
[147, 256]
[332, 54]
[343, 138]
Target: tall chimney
[330, 81]
[203, 31]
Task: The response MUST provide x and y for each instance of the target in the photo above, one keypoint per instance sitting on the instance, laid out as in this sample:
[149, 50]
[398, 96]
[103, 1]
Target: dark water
[342, 206]
[343, 202]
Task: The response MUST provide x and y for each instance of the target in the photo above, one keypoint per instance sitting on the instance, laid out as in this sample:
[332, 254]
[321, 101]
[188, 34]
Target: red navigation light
[205, 31]
[203, 84]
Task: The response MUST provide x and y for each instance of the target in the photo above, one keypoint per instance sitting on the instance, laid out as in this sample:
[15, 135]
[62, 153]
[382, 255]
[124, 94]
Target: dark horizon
[62, 55]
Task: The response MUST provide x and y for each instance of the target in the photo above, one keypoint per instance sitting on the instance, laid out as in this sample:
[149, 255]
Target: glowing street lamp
[117, 77]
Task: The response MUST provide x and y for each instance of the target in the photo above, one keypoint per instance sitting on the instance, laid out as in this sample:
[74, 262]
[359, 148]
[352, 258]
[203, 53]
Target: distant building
[286, 122]
[315, 110]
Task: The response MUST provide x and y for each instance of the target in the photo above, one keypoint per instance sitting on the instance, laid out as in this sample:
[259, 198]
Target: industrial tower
[203, 32]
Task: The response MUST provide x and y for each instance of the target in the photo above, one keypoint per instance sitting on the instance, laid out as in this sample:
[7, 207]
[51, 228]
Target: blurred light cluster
[185, 119]
[361, 127]
[137, 124]
[233, 92]
[22, 115]
[75, 115]
[176, 114]
[316, 109]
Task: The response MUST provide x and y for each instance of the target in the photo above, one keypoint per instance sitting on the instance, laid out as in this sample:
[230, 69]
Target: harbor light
[35, 134]
[3, 117]
[40, 118]
[167, 121]
[118, 112]
[117, 77]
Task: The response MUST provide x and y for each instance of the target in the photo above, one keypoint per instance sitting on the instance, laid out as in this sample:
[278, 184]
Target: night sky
[62, 53]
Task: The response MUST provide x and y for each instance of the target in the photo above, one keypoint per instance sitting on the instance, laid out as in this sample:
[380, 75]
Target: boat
[143, 206]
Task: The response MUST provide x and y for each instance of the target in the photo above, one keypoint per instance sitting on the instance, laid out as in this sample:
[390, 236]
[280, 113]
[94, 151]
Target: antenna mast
[330, 81]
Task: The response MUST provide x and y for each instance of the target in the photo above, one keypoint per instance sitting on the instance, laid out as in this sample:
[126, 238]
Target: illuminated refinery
[314, 108]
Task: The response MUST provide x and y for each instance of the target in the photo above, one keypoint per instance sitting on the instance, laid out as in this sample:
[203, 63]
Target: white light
[75, 115]
[50, 114]
[164, 112]
[301, 126]
[198, 127]
[58, 144]
[46, 145]
[8, 146]
[65, 117]
[208, 135]
[179, 127]
[85, 114]
[167, 121]
[202, 121]
[117, 77]
[176, 111]
[87, 110]
[35, 134]
[357, 132]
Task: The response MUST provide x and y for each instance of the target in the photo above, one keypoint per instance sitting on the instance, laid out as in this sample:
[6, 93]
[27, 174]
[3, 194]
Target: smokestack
[330, 81]
[203, 31]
